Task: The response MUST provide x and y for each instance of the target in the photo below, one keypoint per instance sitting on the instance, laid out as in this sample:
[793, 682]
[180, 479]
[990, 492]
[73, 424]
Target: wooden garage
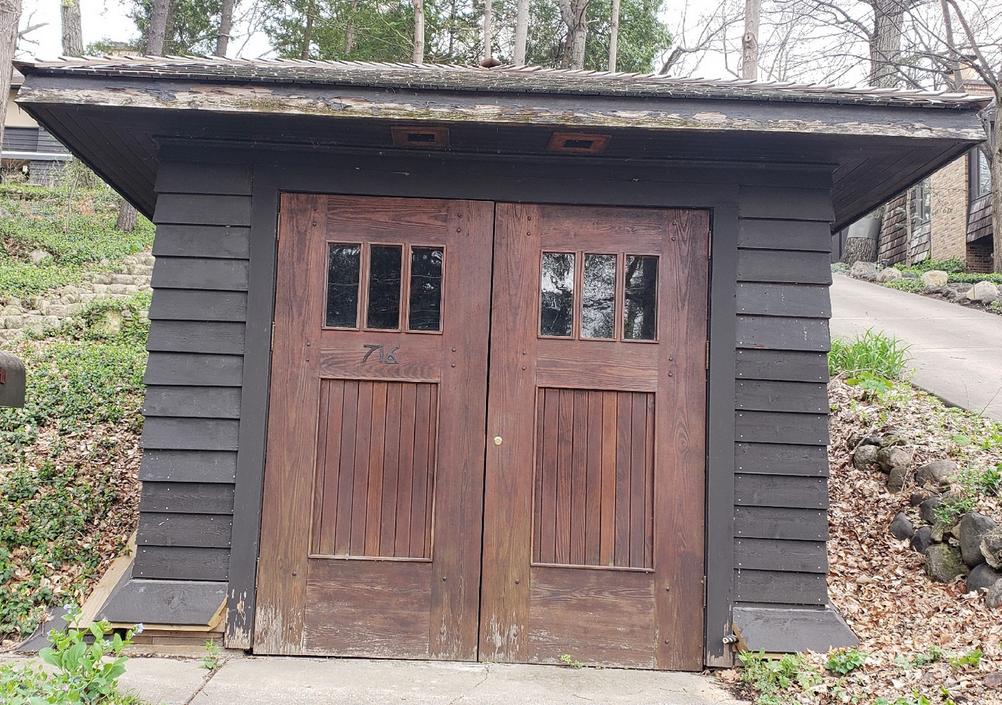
[488, 364]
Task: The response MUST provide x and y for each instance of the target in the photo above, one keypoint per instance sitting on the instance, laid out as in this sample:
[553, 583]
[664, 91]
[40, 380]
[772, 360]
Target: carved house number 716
[386, 357]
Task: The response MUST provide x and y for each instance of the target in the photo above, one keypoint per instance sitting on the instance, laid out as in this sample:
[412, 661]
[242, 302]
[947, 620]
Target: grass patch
[74, 222]
[914, 286]
[67, 460]
[872, 353]
[776, 681]
[955, 269]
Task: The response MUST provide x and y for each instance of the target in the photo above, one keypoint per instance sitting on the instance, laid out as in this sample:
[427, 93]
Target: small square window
[640, 305]
[343, 266]
[598, 297]
[424, 311]
[383, 310]
[556, 315]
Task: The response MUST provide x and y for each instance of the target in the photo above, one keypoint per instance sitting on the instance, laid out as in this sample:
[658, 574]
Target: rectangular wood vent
[420, 137]
[577, 143]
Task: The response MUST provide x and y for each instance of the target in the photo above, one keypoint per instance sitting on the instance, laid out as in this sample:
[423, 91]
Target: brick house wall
[949, 211]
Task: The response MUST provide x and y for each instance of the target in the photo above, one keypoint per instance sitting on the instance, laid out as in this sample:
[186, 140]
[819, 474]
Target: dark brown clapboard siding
[192, 402]
[780, 587]
[796, 300]
[773, 395]
[781, 405]
[773, 333]
[200, 274]
[196, 337]
[781, 523]
[181, 563]
[194, 374]
[772, 554]
[777, 427]
[783, 365]
[187, 498]
[780, 491]
[190, 434]
[194, 369]
[164, 529]
[767, 234]
[198, 305]
[188, 466]
[781, 459]
[202, 209]
[782, 266]
[208, 241]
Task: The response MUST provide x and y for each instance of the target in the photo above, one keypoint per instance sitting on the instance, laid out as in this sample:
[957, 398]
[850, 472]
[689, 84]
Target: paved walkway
[956, 351]
[310, 681]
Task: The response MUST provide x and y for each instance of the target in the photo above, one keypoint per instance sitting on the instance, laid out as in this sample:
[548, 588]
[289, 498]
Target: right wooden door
[593, 512]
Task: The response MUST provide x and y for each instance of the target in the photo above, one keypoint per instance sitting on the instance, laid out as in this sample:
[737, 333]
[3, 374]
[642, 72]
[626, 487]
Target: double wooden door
[486, 433]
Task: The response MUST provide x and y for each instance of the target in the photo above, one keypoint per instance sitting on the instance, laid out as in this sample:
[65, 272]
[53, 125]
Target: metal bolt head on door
[498, 440]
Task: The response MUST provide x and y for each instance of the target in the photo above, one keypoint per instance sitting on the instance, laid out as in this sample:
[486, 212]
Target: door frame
[661, 184]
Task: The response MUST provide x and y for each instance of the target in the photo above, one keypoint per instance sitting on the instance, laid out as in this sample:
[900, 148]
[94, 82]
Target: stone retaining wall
[49, 309]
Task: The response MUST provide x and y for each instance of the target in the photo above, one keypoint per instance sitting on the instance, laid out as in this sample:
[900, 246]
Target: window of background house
[981, 175]
[920, 204]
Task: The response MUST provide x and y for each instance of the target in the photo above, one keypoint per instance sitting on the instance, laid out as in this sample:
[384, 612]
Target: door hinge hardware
[730, 639]
[271, 345]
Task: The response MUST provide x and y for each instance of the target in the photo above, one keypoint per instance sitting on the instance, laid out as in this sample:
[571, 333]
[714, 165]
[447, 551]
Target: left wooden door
[373, 497]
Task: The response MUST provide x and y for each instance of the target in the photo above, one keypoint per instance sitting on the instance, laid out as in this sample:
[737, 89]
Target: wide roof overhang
[115, 113]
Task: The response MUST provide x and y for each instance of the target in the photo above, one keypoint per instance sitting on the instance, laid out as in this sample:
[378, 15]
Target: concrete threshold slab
[309, 681]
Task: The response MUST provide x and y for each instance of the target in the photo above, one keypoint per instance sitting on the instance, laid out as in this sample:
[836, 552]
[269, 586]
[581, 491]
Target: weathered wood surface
[618, 109]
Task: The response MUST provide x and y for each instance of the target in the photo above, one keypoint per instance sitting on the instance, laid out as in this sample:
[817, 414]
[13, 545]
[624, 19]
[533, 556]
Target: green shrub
[74, 222]
[63, 456]
[873, 352]
[773, 679]
[844, 661]
[914, 286]
[82, 673]
[953, 264]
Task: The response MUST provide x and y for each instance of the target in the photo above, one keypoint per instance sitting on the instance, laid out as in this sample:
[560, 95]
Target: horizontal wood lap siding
[781, 406]
[195, 372]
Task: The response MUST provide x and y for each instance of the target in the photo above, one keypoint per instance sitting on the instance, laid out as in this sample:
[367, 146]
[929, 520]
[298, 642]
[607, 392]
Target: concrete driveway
[310, 681]
[956, 351]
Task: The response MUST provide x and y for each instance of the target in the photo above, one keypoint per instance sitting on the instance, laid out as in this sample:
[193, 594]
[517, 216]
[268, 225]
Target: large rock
[38, 256]
[974, 528]
[897, 478]
[935, 279]
[994, 597]
[927, 510]
[864, 270]
[936, 472]
[943, 563]
[982, 577]
[902, 528]
[894, 457]
[983, 292]
[991, 549]
[922, 539]
[865, 457]
[889, 274]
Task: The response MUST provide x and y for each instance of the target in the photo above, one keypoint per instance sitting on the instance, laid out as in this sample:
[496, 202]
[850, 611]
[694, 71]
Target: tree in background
[383, 31]
[192, 26]
[69, 14]
[10, 15]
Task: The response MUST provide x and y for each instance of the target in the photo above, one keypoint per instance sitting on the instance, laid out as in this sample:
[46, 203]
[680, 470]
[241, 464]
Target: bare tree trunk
[349, 31]
[126, 218]
[614, 35]
[488, 32]
[156, 40]
[956, 78]
[304, 52]
[225, 27]
[885, 44]
[749, 41]
[10, 15]
[69, 11]
[522, 31]
[417, 55]
[573, 13]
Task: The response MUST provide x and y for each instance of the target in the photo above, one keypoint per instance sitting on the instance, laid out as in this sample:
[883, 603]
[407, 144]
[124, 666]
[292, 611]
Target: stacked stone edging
[49, 309]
